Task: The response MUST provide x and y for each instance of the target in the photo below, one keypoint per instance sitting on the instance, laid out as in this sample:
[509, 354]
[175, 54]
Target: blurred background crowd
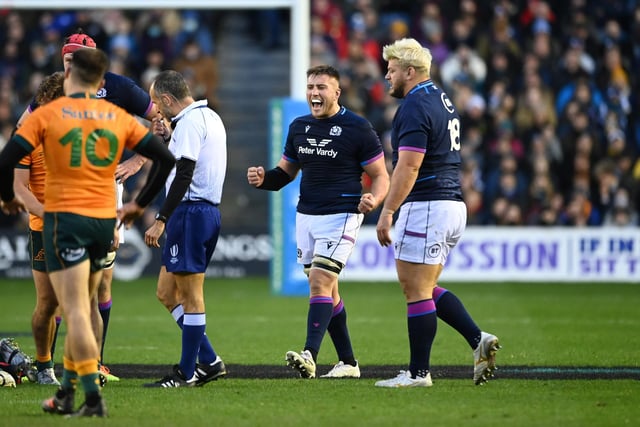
[549, 103]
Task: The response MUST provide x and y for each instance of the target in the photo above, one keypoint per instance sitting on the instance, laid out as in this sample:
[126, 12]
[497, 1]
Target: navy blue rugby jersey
[427, 122]
[123, 92]
[331, 153]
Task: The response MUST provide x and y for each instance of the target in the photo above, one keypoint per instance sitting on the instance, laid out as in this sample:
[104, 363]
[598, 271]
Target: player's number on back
[454, 133]
[74, 137]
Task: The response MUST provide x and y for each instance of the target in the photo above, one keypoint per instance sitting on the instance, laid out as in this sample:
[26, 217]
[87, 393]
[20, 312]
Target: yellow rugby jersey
[83, 138]
[35, 163]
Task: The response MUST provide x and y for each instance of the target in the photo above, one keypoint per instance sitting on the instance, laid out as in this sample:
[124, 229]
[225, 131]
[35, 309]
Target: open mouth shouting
[317, 105]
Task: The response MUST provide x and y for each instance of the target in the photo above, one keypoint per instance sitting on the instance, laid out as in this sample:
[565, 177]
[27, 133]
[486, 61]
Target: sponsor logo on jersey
[323, 142]
[71, 255]
[448, 105]
[317, 148]
[306, 128]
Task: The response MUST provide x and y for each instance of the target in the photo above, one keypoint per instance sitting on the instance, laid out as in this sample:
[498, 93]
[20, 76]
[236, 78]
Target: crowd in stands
[549, 103]
[140, 44]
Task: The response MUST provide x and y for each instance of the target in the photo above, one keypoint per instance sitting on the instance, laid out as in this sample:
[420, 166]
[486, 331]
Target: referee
[191, 219]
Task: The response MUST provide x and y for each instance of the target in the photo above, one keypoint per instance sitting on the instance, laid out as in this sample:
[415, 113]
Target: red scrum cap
[77, 41]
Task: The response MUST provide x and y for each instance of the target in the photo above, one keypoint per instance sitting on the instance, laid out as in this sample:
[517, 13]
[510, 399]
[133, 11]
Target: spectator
[334, 24]
[361, 80]
[500, 36]
[153, 36]
[621, 213]
[200, 70]
[579, 55]
[123, 46]
[155, 63]
[324, 49]
[192, 27]
[506, 182]
[365, 28]
[464, 62]
[430, 25]
[578, 211]
[535, 106]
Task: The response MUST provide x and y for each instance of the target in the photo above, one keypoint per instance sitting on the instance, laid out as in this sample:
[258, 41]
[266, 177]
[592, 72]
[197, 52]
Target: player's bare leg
[74, 288]
[167, 289]
[43, 327]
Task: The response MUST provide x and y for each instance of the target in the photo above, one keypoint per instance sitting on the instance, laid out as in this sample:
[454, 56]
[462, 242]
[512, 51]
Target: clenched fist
[255, 175]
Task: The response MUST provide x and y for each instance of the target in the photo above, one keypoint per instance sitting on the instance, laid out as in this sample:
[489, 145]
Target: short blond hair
[409, 53]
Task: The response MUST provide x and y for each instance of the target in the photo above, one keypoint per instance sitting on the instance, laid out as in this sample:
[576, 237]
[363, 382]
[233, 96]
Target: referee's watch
[161, 218]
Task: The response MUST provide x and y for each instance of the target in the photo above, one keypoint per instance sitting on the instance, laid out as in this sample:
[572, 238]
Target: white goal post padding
[299, 18]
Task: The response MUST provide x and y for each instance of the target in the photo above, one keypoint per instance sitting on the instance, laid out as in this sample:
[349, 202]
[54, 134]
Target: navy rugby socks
[105, 312]
[339, 334]
[318, 318]
[207, 354]
[193, 328]
[422, 323]
[451, 310]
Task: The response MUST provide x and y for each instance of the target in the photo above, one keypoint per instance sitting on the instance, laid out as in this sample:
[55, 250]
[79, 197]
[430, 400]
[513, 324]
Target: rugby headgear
[77, 41]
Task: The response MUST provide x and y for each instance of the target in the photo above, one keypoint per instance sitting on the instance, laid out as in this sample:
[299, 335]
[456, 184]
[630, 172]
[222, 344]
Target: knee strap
[110, 260]
[327, 264]
[306, 268]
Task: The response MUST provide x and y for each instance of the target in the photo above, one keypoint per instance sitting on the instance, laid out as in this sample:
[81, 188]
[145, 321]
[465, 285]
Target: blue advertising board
[287, 277]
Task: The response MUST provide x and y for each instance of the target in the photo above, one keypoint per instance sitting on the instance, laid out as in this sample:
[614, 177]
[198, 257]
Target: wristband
[275, 179]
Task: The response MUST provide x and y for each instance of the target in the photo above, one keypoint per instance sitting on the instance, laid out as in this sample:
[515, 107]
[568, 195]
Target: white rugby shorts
[333, 236]
[425, 232]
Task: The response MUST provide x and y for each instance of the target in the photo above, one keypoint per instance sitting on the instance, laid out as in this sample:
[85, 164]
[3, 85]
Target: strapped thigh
[327, 264]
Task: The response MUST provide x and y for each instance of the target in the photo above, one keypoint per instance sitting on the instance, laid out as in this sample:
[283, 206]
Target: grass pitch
[541, 326]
